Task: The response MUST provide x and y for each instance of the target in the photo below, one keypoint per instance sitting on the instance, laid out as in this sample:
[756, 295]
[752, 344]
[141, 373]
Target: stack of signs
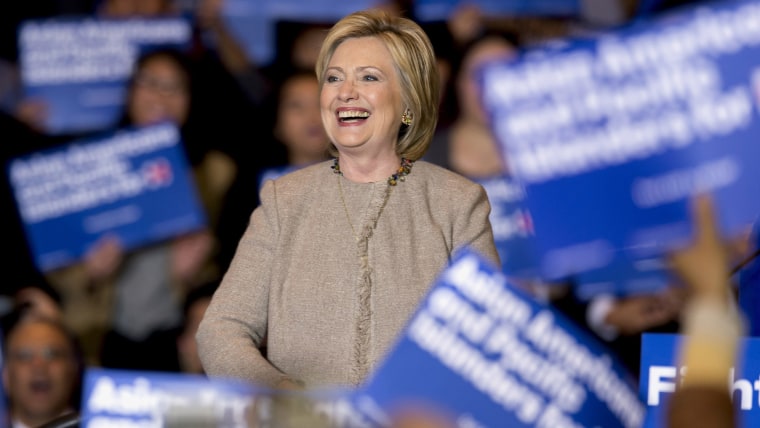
[78, 67]
[612, 136]
[661, 375]
[486, 354]
[134, 184]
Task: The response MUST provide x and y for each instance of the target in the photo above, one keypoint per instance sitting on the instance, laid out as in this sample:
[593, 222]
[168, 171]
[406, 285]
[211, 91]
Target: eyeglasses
[164, 87]
[48, 354]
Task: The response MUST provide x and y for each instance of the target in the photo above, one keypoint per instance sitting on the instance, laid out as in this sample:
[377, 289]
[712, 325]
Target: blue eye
[370, 78]
[331, 79]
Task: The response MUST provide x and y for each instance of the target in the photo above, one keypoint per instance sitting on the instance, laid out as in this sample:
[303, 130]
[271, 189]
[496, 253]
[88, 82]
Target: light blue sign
[488, 355]
[135, 184]
[613, 135]
[79, 67]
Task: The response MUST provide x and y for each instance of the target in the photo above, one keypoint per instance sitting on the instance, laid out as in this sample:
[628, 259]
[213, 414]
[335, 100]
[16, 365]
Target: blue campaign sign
[488, 355]
[613, 135]
[441, 10]
[661, 374]
[623, 277]
[253, 22]
[129, 398]
[512, 226]
[135, 184]
[136, 398]
[79, 67]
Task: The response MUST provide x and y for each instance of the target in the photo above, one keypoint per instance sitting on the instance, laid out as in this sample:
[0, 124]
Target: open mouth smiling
[349, 116]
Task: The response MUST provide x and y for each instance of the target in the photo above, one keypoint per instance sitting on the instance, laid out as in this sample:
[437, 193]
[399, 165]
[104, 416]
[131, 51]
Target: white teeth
[352, 113]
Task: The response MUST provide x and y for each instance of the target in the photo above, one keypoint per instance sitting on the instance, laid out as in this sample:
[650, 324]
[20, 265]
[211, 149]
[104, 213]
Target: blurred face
[467, 81]
[361, 96]
[40, 372]
[299, 124]
[160, 93]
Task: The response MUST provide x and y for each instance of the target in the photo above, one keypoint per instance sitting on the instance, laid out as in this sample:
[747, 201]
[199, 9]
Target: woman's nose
[347, 91]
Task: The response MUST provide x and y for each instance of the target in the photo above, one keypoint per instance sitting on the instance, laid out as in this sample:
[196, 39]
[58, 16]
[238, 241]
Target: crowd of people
[338, 181]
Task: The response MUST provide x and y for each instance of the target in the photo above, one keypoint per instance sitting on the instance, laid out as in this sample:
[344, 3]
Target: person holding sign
[339, 254]
[125, 303]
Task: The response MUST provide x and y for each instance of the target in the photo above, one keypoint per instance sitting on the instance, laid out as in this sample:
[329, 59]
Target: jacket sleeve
[473, 226]
[233, 328]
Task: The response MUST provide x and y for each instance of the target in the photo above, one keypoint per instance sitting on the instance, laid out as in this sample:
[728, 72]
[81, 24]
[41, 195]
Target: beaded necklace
[403, 170]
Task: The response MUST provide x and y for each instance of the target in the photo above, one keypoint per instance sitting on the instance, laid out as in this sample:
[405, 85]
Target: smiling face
[40, 372]
[160, 92]
[361, 99]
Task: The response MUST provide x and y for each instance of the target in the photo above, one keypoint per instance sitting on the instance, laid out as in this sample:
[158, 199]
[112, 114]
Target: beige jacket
[332, 305]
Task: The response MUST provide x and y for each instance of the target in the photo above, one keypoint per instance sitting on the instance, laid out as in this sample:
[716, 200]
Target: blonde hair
[415, 64]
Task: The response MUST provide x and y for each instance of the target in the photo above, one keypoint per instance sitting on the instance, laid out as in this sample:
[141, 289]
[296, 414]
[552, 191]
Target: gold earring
[406, 118]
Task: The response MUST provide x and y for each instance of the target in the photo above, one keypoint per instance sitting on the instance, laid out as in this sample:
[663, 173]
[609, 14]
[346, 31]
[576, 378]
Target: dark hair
[194, 129]
[179, 57]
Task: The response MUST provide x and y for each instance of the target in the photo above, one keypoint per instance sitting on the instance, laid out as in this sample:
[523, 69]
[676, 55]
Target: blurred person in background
[467, 145]
[337, 255]
[42, 372]
[228, 86]
[134, 298]
[300, 140]
[298, 123]
[217, 56]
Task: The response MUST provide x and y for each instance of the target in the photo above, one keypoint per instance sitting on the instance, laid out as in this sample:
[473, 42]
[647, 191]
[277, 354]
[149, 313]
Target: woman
[338, 255]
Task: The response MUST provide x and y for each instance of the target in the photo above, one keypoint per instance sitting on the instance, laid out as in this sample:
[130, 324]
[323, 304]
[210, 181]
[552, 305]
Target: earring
[406, 118]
